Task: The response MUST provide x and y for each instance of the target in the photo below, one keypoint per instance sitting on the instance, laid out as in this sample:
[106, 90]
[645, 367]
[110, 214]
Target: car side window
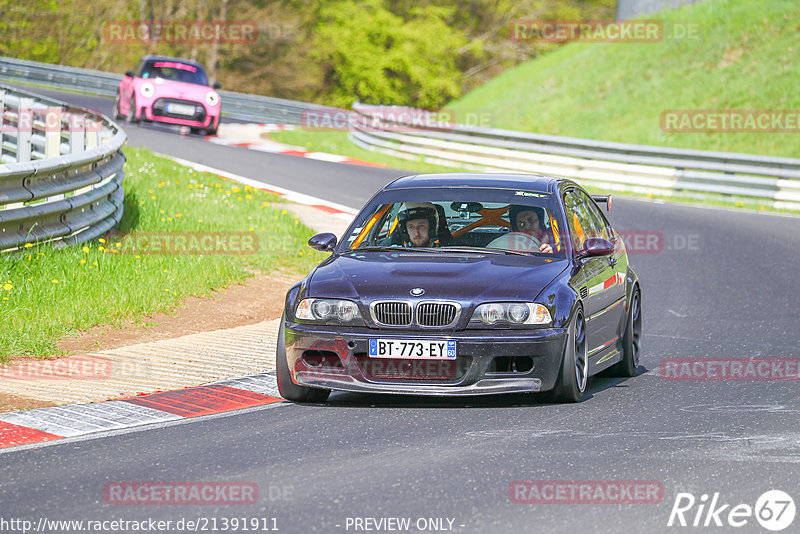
[599, 221]
[582, 221]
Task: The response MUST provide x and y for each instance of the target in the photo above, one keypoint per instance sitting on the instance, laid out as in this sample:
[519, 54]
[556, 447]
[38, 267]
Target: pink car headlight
[147, 89]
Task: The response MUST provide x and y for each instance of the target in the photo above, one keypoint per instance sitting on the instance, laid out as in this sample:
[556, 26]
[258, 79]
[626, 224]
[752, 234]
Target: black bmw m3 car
[465, 284]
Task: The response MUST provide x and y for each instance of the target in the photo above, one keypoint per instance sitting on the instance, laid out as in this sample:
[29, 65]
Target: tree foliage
[327, 51]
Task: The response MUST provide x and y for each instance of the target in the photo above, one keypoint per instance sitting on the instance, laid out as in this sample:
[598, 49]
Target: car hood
[173, 89]
[461, 277]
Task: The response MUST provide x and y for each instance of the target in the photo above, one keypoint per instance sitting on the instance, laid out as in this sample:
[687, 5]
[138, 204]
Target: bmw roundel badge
[417, 292]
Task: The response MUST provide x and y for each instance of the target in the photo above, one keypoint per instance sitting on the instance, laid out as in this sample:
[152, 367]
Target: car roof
[169, 58]
[527, 182]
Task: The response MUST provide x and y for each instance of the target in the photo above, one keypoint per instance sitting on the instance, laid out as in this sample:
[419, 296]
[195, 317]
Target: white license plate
[412, 349]
[180, 109]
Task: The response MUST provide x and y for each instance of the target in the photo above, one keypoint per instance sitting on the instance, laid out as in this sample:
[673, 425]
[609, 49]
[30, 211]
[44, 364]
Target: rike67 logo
[774, 510]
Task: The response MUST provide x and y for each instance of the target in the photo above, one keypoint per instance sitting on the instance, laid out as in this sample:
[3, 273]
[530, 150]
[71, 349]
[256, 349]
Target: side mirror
[323, 242]
[216, 85]
[595, 246]
[130, 74]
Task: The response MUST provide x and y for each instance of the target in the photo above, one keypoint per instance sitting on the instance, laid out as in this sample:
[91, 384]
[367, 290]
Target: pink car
[169, 90]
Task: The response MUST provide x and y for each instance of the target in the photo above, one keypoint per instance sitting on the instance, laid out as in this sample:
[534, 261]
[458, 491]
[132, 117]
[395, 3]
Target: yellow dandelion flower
[153, 197]
[252, 229]
[55, 280]
[94, 263]
[138, 257]
[8, 287]
[179, 215]
[85, 249]
[141, 202]
[101, 249]
[235, 189]
[150, 191]
[28, 245]
[248, 188]
[83, 261]
[162, 211]
[199, 220]
[248, 197]
[163, 219]
[169, 219]
[284, 212]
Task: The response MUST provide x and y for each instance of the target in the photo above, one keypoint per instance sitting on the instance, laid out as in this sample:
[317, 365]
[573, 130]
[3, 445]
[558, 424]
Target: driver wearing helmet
[418, 223]
[530, 220]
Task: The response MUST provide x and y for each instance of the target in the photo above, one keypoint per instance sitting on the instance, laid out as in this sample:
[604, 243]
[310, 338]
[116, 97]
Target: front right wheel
[288, 389]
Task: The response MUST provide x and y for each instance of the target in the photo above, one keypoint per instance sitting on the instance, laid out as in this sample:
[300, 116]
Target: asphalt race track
[720, 284]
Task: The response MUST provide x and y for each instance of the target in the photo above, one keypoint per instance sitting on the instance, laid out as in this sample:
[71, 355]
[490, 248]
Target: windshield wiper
[480, 250]
[387, 249]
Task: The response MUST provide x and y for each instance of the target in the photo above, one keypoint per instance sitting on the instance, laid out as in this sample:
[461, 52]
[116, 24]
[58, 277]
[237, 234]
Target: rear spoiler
[603, 198]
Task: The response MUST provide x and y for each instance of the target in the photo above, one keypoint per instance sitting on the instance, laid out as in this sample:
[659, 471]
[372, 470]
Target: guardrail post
[52, 132]
[24, 129]
[92, 129]
[77, 135]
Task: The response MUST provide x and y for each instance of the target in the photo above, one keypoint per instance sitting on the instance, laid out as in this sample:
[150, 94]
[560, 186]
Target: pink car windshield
[175, 71]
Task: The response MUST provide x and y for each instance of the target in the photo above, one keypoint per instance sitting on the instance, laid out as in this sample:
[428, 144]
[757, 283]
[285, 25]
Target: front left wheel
[288, 389]
[631, 340]
[574, 372]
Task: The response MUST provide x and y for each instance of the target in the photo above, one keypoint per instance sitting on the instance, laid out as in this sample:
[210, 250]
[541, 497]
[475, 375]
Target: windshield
[175, 71]
[463, 222]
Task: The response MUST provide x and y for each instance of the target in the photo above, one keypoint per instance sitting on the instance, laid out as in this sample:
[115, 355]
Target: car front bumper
[472, 373]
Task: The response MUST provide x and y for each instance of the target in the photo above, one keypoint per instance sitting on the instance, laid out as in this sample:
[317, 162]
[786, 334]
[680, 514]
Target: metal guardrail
[241, 106]
[617, 166]
[61, 171]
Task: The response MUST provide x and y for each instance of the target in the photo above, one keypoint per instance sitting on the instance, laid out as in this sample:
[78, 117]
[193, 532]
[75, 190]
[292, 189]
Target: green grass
[46, 293]
[744, 58]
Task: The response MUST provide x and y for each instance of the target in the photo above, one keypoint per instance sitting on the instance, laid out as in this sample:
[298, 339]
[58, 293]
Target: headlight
[329, 311]
[147, 89]
[510, 312]
[212, 98]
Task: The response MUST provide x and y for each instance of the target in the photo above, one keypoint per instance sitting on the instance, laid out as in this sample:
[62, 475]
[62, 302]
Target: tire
[631, 341]
[288, 389]
[130, 118]
[115, 111]
[574, 372]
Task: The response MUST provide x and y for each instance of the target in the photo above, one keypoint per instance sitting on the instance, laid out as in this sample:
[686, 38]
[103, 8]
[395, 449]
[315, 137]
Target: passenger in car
[530, 220]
